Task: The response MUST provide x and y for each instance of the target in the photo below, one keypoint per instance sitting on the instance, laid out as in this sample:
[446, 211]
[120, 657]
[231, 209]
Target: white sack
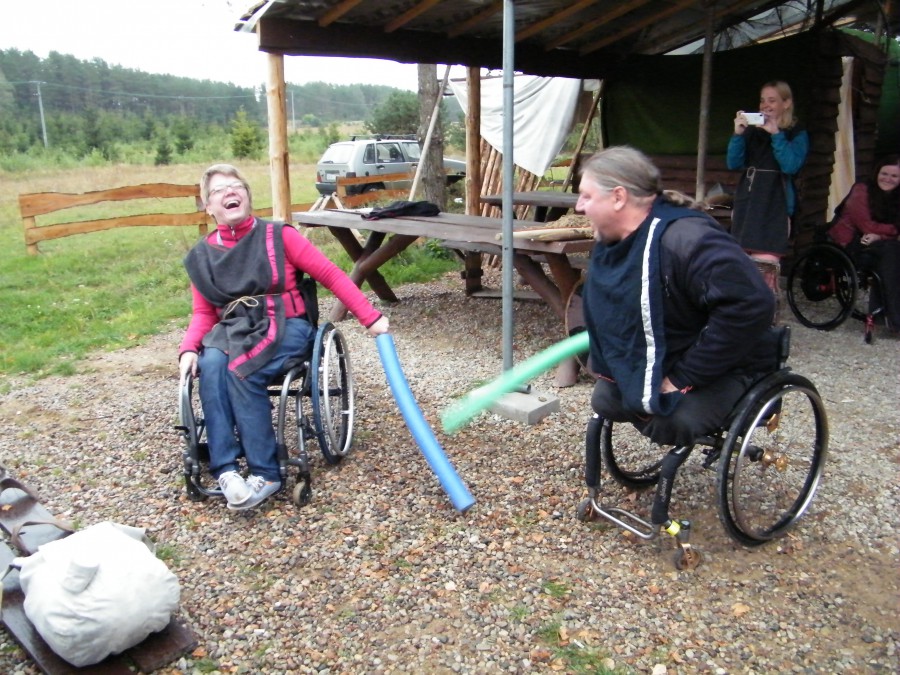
[97, 592]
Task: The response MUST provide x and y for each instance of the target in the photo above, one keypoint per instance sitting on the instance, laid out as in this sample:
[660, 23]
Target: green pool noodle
[459, 413]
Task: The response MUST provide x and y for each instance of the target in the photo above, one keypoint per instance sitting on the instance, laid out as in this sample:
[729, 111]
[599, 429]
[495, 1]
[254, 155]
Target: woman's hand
[770, 124]
[187, 364]
[740, 123]
[868, 238]
[379, 327]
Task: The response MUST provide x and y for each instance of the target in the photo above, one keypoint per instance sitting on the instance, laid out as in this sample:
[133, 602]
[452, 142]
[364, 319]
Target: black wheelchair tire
[822, 287]
[629, 457]
[334, 428]
[769, 467]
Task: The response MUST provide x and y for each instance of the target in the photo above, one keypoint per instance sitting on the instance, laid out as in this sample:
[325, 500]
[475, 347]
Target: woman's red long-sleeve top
[300, 254]
[855, 218]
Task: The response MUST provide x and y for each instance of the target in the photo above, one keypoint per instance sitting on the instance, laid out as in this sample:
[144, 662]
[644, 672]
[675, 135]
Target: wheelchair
[769, 456]
[825, 287]
[313, 400]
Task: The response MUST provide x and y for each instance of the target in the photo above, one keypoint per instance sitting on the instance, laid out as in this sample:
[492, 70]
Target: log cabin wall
[814, 179]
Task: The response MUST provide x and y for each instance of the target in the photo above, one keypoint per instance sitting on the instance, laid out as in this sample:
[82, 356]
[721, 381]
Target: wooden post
[473, 141]
[278, 145]
[570, 174]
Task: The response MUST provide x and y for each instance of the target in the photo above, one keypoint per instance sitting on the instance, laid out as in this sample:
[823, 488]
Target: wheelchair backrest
[309, 293]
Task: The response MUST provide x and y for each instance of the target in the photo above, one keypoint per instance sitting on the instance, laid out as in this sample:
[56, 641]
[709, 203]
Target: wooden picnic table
[552, 204]
[548, 204]
[388, 237]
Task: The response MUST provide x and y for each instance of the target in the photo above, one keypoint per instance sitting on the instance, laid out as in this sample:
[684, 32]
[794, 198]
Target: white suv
[373, 156]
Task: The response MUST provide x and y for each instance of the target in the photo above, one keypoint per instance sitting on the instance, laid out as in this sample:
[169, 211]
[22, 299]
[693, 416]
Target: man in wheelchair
[678, 316]
[248, 320]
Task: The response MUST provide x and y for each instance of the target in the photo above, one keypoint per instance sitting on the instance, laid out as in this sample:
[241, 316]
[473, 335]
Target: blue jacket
[715, 307]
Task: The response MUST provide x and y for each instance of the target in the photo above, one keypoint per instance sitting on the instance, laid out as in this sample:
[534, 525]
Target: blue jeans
[230, 403]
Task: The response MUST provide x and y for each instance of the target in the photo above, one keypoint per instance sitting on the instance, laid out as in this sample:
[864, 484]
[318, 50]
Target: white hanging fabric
[544, 116]
[843, 174]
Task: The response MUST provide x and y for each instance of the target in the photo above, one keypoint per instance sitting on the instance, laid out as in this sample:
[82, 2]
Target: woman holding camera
[770, 150]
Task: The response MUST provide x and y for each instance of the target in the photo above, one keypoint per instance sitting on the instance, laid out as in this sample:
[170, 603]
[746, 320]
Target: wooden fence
[42, 203]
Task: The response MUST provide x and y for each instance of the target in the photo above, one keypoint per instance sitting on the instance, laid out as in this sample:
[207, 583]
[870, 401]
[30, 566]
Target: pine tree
[246, 138]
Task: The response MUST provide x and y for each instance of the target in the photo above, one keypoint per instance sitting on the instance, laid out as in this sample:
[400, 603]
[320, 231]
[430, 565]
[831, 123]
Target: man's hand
[667, 387]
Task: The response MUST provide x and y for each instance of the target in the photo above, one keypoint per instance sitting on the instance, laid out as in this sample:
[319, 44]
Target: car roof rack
[383, 137]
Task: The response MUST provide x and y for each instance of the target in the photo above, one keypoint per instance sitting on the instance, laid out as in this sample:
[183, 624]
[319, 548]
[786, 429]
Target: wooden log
[552, 233]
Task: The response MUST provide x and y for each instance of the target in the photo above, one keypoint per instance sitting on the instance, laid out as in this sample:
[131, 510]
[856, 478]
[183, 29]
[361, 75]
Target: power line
[133, 95]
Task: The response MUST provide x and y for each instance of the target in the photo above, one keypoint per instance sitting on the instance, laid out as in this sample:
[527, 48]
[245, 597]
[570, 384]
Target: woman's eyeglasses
[237, 185]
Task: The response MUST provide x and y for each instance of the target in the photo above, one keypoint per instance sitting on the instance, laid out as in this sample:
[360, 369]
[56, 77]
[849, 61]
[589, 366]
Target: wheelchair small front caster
[687, 558]
[585, 512]
[302, 492]
[192, 492]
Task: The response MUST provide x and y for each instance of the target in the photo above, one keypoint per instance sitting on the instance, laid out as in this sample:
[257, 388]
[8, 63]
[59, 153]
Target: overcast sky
[189, 38]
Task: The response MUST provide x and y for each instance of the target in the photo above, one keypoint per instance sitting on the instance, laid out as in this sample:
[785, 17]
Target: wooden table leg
[472, 272]
[534, 274]
[353, 248]
[565, 276]
[374, 255]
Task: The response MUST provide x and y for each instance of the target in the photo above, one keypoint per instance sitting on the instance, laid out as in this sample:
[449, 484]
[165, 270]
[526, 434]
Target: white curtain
[544, 115]
[843, 174]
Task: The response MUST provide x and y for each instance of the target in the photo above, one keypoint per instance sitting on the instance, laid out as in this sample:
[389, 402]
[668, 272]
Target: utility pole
[41, 109]
[293, 119]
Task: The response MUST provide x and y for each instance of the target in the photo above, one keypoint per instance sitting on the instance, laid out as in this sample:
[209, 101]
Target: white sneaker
[235, 488]
[261, 489]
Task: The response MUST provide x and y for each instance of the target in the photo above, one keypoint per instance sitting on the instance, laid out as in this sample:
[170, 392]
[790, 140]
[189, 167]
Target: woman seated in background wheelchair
[867, 224]
[679, 317]
[247, 321]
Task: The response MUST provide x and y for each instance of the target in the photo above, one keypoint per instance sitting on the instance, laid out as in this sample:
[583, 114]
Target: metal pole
[506, 258]
[41, 109]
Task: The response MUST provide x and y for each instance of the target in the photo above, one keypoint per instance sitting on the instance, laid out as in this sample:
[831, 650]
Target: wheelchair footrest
[626, 520]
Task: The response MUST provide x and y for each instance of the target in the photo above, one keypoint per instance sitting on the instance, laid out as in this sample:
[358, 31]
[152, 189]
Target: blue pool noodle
[422, 433]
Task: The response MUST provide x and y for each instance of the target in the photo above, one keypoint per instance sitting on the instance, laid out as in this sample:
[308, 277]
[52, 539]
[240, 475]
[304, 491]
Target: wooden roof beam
[337, 12]
[543, 24]
[635, 27]
[480, 17]
[620, 10]
[409, 15]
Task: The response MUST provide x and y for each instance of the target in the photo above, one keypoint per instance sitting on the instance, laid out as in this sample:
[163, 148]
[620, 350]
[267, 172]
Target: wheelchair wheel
[196, 450]
[772, 459]
[629, 456]
[331, 391]
[821, 287]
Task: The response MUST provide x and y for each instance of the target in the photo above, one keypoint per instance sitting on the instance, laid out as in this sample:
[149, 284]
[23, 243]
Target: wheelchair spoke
[333, 395]
[770, 470]
[822, 287]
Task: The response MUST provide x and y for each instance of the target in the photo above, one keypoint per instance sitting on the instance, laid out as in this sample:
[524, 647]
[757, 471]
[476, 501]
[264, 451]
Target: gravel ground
[379, 574]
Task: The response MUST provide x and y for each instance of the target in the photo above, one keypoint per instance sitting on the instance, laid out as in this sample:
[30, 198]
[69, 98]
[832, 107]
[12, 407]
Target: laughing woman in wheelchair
[680, 326]
[248, 320]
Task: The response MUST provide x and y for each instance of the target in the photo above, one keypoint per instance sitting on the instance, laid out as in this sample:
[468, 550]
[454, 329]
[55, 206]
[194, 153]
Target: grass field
[110, 289]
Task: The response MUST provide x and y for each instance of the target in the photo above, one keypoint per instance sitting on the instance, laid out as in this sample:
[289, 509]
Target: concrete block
[528, 408]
